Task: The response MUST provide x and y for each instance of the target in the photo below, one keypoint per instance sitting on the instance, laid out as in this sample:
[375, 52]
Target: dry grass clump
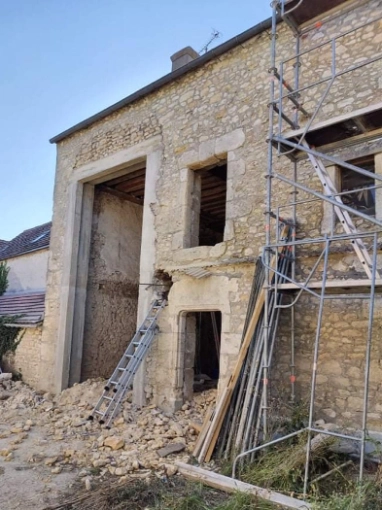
[159, 494]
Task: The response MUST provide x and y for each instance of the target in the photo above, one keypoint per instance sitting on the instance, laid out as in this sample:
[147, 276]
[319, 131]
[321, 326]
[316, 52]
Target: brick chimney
[183, 57]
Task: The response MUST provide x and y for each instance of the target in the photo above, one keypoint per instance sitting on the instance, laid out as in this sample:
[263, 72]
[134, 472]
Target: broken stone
[51, 461]
[171, 448]
[114, 442]
[171, 470]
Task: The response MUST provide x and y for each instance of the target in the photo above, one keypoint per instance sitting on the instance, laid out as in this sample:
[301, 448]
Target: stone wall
[112, 291]
[26, 358]
[341, 362]
[218, 111]
[28, 272]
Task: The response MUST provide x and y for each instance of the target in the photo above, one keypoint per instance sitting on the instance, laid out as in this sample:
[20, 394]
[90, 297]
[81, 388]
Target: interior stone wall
[113, 283]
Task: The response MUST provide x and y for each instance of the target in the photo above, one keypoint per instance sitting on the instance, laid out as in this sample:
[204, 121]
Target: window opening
[362, 197]
[212, 206]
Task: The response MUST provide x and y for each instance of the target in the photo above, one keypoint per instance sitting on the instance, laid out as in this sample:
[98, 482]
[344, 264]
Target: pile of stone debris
[141, 440]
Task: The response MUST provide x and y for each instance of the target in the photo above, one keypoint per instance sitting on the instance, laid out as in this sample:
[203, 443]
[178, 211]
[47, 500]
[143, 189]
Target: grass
[161, 494]
[282, 468]
[359, 497]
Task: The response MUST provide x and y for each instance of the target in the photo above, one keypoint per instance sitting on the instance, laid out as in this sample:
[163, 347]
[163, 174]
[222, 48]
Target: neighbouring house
[27, 258]
[165, 191]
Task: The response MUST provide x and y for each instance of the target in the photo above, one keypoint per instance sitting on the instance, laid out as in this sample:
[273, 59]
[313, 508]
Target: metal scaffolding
[287, 111]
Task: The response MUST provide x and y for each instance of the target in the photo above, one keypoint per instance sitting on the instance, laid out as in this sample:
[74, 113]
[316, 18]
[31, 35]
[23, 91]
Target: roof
[33, 239]
[3, 244]
[31, 307]
[168, 78]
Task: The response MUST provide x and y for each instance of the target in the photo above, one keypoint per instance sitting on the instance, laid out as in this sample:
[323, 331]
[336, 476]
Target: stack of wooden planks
[236, 420]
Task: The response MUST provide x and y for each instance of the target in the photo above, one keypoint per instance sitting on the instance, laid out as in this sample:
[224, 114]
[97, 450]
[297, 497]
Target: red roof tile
[31, 306]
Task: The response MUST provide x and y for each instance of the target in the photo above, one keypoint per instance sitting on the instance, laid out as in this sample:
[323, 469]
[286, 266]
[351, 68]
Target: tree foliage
[4, 270]
[9, 336]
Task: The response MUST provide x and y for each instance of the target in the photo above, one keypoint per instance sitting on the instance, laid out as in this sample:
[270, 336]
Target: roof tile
[35, 238]
[31, 307]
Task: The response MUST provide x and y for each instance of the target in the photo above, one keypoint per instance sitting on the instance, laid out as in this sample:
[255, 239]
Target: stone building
[27, 259]
[165, 192]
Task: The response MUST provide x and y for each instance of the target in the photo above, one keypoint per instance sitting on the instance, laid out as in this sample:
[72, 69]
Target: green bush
[4, 270]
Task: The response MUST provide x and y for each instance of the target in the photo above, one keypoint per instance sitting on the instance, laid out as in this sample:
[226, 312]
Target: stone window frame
[334, 172]
[206, 154]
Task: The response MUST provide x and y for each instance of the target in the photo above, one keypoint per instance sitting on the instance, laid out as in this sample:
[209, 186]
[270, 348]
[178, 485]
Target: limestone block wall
[28, 272]
[218, 110]
[26, 358]
[227, 291]
[112, 290]
[341, 364]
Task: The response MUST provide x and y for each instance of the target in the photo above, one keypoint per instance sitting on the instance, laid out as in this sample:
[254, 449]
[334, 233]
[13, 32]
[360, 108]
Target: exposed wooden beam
[126, 177]
[121, 194]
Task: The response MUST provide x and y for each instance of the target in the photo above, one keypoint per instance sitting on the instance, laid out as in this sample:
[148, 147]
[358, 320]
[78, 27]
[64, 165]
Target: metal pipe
[343, 34]
[368, 357]
[311, 273]
[336, 161]
[269, 201]
[364, 63]
[327, 198]
[315, 361]
[320, 240]
[261, 447]
[264, 388]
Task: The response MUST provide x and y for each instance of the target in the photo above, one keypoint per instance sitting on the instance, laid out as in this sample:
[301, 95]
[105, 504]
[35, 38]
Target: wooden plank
[222, 407]
[204, 430]
[332, 284]
[196, 426]
[231, 485]
[120, 194]
[334, 120]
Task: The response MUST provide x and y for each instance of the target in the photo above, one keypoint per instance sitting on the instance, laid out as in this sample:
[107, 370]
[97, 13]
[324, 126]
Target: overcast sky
[64, 60]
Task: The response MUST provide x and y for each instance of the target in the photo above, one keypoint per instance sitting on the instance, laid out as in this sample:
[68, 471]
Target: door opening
[202, 351]
[114, 272]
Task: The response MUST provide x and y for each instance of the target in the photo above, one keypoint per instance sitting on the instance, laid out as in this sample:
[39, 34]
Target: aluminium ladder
[122, 378]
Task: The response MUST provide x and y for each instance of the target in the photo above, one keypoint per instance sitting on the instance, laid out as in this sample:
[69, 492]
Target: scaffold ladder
[122, 378]
[342, 215]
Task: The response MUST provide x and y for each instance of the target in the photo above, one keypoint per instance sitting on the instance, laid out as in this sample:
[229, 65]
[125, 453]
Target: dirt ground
[48, 447]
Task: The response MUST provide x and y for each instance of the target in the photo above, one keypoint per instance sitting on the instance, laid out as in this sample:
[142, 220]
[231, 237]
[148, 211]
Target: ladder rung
[122, 377]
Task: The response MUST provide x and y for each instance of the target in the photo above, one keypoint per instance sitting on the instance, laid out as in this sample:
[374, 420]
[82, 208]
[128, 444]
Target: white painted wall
[28, 272]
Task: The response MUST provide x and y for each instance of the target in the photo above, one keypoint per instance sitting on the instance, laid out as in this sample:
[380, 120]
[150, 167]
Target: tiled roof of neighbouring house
[3, 244]
[33, 239]
[30, 306]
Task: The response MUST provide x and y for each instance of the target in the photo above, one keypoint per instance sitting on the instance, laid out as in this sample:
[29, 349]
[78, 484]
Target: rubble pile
[141, 439]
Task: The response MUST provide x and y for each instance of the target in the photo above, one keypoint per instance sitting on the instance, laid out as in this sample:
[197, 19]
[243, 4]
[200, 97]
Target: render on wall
[113, 283]
[28, 271]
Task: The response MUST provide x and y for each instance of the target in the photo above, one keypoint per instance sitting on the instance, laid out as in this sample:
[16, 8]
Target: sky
[65, 60]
